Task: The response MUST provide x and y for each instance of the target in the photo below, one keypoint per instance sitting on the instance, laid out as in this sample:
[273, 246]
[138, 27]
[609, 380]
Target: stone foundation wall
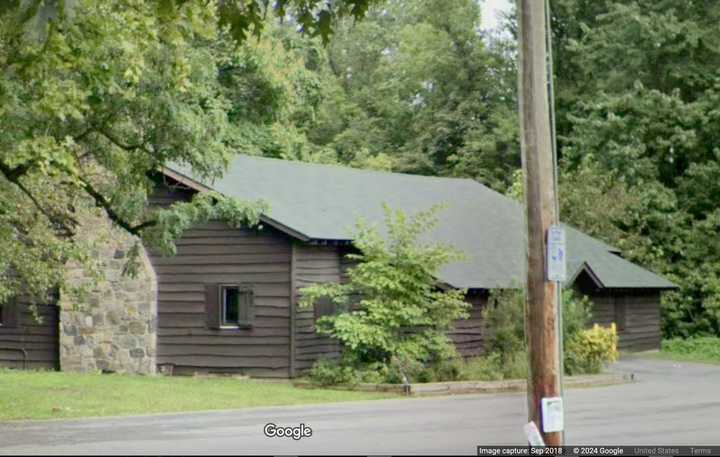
[112, 326]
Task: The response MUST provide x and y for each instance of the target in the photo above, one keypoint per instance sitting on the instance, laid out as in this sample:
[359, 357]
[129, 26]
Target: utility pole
[541, 308]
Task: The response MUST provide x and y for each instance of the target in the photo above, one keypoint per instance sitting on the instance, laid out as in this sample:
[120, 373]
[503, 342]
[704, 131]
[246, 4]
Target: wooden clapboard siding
[313, 264]
[260, 259]
[642, 329]
[214, 253]
[38, 337]
[468, 335]
[642, 316]
[329, 264]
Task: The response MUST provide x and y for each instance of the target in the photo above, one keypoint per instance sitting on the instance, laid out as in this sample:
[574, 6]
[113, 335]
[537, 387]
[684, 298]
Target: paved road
[670, 404]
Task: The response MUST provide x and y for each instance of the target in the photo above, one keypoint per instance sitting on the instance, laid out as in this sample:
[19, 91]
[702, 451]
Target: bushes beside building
[586, 351]
[393, 319]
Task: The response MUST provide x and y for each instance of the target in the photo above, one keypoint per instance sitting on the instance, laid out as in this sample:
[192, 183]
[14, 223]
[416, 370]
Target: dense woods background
[415, 86]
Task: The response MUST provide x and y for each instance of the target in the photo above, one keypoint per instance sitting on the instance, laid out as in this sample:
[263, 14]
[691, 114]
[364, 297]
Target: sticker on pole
[552, 414]
[556, 253]
[533, 434]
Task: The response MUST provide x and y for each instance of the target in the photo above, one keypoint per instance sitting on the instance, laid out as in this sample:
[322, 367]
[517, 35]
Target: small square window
[236, 305]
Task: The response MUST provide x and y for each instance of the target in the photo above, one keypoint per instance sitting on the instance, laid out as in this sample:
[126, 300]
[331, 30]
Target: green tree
[637, 92]
[96, 95]
[416, 87]
[393, 307]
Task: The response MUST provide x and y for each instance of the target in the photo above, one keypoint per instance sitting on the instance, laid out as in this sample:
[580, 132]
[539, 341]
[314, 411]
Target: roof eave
[200, 187]
[284, 228]
[186, 180]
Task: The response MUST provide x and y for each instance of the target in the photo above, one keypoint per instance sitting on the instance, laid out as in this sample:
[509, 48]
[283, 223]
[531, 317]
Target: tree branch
[118, 143]
[13, 175]
[105, 204]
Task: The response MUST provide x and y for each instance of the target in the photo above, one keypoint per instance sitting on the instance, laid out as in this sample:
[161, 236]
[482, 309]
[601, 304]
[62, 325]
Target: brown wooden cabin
[303, 240]
[276, 261]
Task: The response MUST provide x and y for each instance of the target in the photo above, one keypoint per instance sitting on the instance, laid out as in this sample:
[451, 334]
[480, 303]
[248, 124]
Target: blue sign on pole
[556, 254]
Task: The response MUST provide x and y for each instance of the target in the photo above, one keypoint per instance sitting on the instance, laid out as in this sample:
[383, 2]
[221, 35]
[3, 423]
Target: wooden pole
[541, 317]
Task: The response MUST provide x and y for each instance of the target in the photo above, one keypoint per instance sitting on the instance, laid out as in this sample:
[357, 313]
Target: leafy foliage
[314, 17]
[329, 373]
[585, 350]
[495, 367]
[504, 316]
[415, 87]
[590, 349]
[98, 95]
[639, 141]
[394, 312]
[171, 224]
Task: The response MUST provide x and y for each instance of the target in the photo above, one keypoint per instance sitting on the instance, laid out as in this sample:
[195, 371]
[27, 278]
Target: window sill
[236, 327]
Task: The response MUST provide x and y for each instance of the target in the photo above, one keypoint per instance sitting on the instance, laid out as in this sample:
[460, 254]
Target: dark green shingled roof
[323, 202]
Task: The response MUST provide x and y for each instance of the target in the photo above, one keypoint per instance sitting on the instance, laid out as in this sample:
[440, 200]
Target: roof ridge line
[355, 169]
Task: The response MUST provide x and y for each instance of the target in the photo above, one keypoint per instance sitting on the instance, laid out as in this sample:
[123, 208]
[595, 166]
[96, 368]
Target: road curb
[473, 387]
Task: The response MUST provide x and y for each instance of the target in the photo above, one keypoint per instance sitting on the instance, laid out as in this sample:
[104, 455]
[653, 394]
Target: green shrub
[327, 372]
[487, 368]
[516, 366]
[576, 313]
[445, 370]
[495, 367]
[586, 350]
[448, 370]
[393, 312]
[504, 318]
[705, 348]
[590, 349]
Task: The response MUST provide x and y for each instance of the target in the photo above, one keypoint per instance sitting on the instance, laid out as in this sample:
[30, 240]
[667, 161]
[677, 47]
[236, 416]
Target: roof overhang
[200, 187]
[185, 180]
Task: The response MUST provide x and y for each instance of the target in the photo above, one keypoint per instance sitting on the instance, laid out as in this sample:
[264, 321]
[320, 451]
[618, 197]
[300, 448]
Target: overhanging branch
[105, 204]
[13, 175]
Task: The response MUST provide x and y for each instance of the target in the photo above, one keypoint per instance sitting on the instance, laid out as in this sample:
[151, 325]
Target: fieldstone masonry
[112, 327]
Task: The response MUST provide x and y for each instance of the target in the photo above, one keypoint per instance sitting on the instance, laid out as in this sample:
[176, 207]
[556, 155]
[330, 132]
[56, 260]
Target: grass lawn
[49, 395]
[700, 349]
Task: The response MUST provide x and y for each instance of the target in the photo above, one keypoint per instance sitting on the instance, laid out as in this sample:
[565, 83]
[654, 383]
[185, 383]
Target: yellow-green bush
[590, 349]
